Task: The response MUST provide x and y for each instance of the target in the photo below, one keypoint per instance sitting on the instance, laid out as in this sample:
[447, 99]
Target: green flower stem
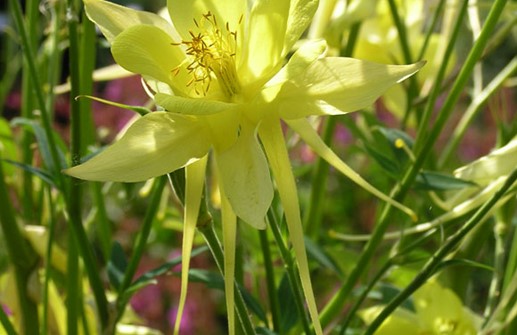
[23, 260]
[48, 263]
[433, 264]
[364, 294]
[270, 281]
[399, 192]
[292, 274]
[436, 16]
[74, 291]
[500, 231]
[402, 33]
[6, 323]
[27, 108]
[436, 89]
[473, 109]
[459, 84]
[320, 175]
[208, 232]
[140, 243]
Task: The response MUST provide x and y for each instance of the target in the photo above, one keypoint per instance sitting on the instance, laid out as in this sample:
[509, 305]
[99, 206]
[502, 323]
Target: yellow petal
[337, 85]
[399, 322]
[183, 13]
[301, 13]
[112, 19]
[245, 175]
[156, 144]
[229, 223]
[149, 51]
[190, 106]
[265, 41]
[272, 138]
[195, 179]
[484, 170]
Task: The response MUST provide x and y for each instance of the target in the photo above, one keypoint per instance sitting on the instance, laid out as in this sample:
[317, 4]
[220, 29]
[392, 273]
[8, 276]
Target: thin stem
[400, 191]
[292, 274]
[270, 280]
[500, 230]
[141, 241]
[462, 79]
[208, 232]
[435, 91]
[433, 264]
[23, 260]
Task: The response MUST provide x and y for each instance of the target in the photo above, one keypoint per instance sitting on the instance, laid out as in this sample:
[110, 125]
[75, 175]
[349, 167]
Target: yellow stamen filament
[212, 54]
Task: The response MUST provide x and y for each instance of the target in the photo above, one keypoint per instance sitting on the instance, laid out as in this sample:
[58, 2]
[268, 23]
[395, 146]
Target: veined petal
[149, 51]
[337, 85]
[301, 13]
[195, 180]
[183, 13]
[154, 145]
[245, 176]
[112, 19]
[191, 106]
[265, 41]
[272, 138]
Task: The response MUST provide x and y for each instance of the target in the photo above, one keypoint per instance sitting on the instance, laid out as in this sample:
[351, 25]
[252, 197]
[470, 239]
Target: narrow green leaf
[289, 316]
[319, 255]
[436, 181]
[117, 265]
[44, 175]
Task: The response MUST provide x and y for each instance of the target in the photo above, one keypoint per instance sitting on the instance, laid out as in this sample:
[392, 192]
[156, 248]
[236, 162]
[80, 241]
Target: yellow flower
[438, 311]
[219, 75]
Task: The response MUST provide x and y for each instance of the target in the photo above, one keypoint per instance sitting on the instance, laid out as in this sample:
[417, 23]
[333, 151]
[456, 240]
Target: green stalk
[292, 274]
[474, 108]
[400, 191]
[141, 242]
[48, 263]
[75, 192]
[435, 91]
[500, 230]
[270, 280]
[22, 258]
[208, 232]
[461, 80]
[27, 108]
[6, 323]
[450, 244]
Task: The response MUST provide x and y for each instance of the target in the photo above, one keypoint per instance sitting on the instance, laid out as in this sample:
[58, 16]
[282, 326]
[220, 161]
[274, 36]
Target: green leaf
[265, 331]
[216, 281]
[436, 181]
[117, 265]
[7, 146]
[319, 255]
[289, 316]
[44, 175]
[166, 267]
[43, 143]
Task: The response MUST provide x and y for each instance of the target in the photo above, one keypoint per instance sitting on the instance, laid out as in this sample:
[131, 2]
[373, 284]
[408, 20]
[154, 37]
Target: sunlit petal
[337, 85]
[195, 180]
[190, 106]
[112, 19]
[245, 175]
[154, 145]
[183, 13]
[300, 16]
[156, 57]
[272, 138]
[263, 56]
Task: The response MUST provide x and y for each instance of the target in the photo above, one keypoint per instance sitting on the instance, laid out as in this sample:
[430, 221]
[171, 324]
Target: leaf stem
[432, 265]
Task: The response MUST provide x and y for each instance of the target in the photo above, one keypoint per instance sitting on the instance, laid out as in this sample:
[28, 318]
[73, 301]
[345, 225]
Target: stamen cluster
[213, 55]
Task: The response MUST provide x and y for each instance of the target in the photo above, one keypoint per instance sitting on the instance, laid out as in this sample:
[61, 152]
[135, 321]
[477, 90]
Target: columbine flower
[438, 311]
[219, 73]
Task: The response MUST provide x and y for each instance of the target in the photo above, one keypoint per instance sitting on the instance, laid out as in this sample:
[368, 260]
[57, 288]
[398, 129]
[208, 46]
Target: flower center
[212, 52]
